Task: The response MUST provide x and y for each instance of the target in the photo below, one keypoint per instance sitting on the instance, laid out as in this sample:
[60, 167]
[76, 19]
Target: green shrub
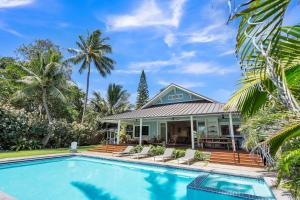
[22, 130]
[199, 155]
[177, 153]
[137, 149]
[157, 150]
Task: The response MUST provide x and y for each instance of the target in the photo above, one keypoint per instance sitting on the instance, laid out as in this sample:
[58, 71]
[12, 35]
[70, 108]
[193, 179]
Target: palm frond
[276, 141]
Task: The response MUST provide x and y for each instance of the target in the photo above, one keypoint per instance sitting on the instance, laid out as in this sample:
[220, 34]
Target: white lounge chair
[126, 152]
[73, 147]
[167, 155]
[142, 154]
[188, 157]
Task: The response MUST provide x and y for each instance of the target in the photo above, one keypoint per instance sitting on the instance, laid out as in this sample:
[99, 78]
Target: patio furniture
[188, 157]
[142, 154]
[73, 147]
[226, 142]
[167, 155]
[126, 152]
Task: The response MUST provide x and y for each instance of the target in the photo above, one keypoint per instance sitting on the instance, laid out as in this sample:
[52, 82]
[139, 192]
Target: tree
[142, 92]
[269, 54]
[116, 101]
[92, 49]
[267, 49]
[45, 77]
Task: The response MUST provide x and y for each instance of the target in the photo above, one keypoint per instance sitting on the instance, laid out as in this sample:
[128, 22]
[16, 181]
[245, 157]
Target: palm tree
[117, 99]
[269, 54]
[92, 49]
[115, 102]
[46, 77]
[99, 104]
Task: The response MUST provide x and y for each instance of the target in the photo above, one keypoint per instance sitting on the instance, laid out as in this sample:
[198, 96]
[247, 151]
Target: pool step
[236, 158]
[109, 148]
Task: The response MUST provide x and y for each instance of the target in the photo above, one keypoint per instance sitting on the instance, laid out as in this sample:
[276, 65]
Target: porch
[200, 131]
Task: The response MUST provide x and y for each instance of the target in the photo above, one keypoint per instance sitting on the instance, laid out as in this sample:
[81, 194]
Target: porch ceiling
[171, 110]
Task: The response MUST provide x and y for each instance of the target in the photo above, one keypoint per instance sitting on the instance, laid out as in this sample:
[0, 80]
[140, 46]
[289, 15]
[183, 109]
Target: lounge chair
[73, 147]
[126, 152]
[188, 157]
[142, 154]
[167, 155]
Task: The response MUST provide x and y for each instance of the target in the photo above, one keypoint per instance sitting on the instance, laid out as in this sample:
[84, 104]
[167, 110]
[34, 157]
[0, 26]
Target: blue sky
[186, 42]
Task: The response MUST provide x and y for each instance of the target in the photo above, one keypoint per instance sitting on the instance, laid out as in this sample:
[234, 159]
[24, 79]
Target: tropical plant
[269, 55]
[266, 48]
[142, 92]
[45, 77]
[92, 49]
[117, 99]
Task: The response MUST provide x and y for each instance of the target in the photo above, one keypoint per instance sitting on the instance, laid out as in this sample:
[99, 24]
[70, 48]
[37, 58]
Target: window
[225, 130]
[175, 96]
[145, 131]
[201, 128]
[236, 129]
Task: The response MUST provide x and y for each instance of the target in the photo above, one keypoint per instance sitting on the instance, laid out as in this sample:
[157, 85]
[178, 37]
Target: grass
[15, 154]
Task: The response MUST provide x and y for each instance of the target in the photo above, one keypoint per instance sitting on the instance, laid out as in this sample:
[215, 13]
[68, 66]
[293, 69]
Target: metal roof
[171, 110]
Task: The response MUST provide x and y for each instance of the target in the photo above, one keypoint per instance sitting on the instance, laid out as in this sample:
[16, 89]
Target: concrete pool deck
[269, 177]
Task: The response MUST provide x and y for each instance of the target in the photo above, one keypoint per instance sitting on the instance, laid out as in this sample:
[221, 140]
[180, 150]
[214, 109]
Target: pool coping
[277, 192]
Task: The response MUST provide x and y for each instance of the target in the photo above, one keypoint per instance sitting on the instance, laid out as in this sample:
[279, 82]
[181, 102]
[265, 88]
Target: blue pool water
[84, 178]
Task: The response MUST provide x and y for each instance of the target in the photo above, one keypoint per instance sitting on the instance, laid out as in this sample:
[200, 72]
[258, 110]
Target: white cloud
[170, 39]
[14, 3]
[4, 27]
[127, 71]
[204, 68]
[179, 64]
[217, 32]
[228, 52]
[158, 64]
[149, 14]
[186, 84]
[213, 26]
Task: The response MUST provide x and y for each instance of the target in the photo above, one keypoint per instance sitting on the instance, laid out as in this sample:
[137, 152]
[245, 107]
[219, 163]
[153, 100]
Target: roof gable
[176, 94]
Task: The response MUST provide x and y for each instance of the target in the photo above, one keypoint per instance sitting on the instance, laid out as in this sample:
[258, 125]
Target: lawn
[15, 154]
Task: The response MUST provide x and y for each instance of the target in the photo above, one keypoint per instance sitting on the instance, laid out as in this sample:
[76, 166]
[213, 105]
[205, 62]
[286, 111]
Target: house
[178, 116]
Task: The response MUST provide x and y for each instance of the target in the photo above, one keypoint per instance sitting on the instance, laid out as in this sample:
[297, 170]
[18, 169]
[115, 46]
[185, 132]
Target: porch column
[166, 133]
[119, 130]
[192, 133]
[231, 132]
[157, 129]
[141, 129]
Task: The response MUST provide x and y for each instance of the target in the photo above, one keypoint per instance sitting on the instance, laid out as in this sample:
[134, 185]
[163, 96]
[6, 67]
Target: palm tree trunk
[86, 92]
[45, 104]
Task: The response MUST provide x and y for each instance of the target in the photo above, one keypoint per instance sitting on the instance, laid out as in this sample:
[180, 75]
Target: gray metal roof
[170, 110]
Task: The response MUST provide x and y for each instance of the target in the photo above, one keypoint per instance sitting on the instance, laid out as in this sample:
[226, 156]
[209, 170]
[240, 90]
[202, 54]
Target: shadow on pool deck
[91, 191]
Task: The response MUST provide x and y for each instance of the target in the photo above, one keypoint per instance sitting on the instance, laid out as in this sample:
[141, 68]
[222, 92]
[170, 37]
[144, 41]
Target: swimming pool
[85, 178]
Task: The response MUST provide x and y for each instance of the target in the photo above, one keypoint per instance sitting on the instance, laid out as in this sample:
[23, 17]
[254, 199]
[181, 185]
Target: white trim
[157, 129]
[141, 129]
[119, 129]
[179, 87]
[231, 132]
[192, 132]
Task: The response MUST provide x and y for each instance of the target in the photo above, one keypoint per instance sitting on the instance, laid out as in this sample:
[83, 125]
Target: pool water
[84, 178]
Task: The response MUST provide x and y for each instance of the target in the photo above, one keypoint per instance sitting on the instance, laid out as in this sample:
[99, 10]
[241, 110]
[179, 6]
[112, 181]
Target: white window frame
[175, 96]
[142, 129]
